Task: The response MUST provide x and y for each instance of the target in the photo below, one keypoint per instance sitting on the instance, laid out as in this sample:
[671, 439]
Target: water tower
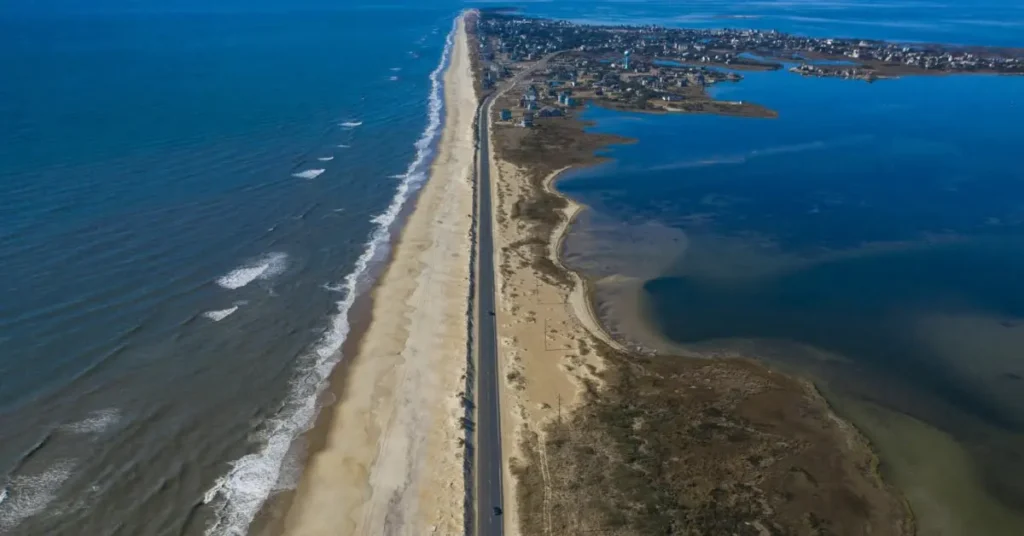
[625, 61]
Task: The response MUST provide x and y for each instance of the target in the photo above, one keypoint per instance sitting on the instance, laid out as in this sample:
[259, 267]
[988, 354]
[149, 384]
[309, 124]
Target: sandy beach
[392, 456]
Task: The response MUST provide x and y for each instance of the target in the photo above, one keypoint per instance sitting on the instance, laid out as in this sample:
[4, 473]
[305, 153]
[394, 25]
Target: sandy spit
[391, 462]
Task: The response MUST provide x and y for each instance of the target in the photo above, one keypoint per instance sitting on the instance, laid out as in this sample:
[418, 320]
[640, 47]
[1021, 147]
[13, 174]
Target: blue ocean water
[191, 196]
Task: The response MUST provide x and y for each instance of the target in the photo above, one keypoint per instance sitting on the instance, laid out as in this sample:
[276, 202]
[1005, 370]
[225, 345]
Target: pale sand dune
[539, 330]
[392, 459]
[540, 327]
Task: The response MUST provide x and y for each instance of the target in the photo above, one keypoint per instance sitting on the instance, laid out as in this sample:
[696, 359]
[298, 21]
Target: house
[550, 111]
[527, 120]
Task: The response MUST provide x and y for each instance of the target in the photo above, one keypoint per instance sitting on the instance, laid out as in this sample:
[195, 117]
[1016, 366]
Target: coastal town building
[633, 49]
[527, 120]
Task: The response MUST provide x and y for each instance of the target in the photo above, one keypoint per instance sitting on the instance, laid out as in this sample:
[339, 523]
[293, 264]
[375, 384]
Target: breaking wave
[351, 124]
[263, 268]
[308, 174]
[95, 423]
[237, 496]
[325, 158]
[29, 495]
[333, 288]
[217, 316]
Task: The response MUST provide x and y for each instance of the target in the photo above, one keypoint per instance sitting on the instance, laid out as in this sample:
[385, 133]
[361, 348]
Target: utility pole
[559, 408]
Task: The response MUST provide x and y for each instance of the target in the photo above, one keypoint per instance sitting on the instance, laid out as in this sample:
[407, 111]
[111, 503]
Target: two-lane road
[489, 503]
[489, 464]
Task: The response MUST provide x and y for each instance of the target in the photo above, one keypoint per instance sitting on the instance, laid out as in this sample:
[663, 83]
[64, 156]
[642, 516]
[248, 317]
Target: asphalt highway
[489, 505]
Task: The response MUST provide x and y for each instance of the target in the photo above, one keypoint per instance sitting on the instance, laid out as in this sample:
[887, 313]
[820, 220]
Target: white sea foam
[238, 495]
[393, 78]
[325, 158]
[343, 146]
[265, 267]
[333, 288]
[308, 174]
[221, 314]
[95, 423]
[29, 495]
[351, 124]
[396, 69]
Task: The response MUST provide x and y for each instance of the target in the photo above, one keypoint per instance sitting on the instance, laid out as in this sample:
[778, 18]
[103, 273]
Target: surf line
[237, 496]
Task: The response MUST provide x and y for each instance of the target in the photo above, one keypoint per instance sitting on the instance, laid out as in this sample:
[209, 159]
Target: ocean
[869, 238]
[193, 195]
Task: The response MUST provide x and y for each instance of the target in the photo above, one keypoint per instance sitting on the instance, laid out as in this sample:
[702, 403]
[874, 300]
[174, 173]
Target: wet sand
[391, 460]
